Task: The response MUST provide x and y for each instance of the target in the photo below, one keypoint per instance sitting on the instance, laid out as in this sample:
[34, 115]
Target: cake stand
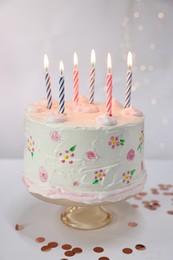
[81, 215]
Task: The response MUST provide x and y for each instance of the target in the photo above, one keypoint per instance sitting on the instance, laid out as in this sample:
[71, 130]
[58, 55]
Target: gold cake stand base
[91, 217]
[81, 215]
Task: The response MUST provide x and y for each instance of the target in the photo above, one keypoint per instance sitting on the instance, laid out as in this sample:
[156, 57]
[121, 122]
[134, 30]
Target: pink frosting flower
[91, 156]
[130, 155]
[43, 175]
[76, 183]
[55, 136]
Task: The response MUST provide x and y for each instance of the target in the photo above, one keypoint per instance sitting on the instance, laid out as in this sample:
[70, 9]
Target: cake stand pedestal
[89, 217]
[80, 215]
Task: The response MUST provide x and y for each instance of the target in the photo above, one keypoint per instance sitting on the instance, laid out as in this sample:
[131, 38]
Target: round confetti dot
[140, 247]
[77, 250]
[98, 249]
[103, 258]
[66, 246]
[162, 145]
[153, 101]
[127, 250]
[45, 248]
[135, 206]
[136, 14]
[160, 15]
[140, 28]
[40, 239]
[170, 212]
[52, 244]
[69, 253]
[142, 193]
[132, 224]
[19, 227]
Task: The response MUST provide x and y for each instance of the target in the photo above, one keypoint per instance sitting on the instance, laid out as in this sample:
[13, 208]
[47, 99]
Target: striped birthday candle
[48, 83]
[92, 78]
[128, 81]
[61, 89]
[109, 87]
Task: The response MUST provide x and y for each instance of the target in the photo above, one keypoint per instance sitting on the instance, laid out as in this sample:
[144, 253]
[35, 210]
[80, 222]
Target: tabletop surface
[143, 224]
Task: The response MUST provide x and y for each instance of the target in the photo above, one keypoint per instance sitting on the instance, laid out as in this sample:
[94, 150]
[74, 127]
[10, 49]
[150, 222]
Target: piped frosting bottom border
[87, 197]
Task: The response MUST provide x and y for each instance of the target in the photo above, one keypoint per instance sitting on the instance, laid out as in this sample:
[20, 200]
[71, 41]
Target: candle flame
[93, 58]
[109, 63]
[46, 62]
[61, 67]
[75, 58]
[129, 60]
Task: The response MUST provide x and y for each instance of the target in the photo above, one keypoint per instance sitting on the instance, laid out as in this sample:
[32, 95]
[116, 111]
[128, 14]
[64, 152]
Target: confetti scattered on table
[66, 247]
[52, 244]
[40, 239]
[77, 250]
[170, 212]
[132, 224]
[69, 253]
[45, 248]
[140, 247]
[127, 250]
[19, 227]
[98, 249]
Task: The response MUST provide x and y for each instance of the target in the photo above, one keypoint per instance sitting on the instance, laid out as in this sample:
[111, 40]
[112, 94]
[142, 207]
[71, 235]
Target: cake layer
[84, 156]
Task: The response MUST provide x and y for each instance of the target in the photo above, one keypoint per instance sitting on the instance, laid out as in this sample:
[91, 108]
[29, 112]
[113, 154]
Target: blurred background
[29, 29]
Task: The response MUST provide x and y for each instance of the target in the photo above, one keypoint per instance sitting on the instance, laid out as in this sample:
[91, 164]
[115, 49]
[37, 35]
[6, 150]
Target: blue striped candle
[128, 81]
[61, 89]
[48, 83]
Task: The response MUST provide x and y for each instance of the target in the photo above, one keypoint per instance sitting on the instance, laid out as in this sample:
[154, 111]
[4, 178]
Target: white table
[154, 230]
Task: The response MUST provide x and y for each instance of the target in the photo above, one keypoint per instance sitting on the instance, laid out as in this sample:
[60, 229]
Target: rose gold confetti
[132, 224]
[66, 247]
[164, 188]
[103, 258]
[137, 197]
[98, 249]
[168, 193]
[134, 206]
[170, 212]
[151, 207]
[69, 253]
[140, 247]
[142, 193]
[45, 248]
[77, 250]
[127, 250]
[145, 201]
[19, 227]
[40, 239]
[52, 244]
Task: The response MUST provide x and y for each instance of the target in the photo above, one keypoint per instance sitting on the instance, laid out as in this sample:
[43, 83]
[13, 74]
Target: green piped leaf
[72, 148]
[132, 172]
[122, 140]
[32, 154]
[95, 181]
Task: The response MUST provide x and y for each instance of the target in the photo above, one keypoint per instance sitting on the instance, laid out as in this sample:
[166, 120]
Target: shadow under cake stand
[81, 215]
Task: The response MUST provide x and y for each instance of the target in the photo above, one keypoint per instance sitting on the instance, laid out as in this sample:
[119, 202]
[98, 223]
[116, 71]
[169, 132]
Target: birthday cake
[84, 155]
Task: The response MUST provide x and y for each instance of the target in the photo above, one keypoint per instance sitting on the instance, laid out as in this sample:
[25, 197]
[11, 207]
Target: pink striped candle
[109, 87]
[92, 78]
[76, 80]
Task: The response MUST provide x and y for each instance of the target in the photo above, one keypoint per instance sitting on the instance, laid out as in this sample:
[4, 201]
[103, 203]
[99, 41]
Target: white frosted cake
[84, 156]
